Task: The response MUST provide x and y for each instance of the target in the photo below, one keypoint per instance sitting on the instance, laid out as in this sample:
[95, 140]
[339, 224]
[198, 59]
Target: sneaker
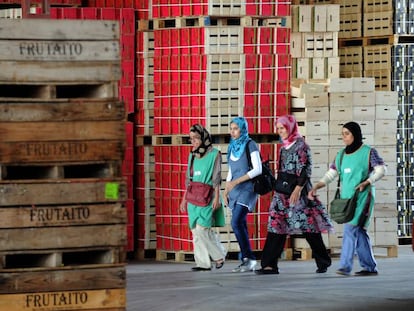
[249, 265]
[237, 269]
[366, 273]
[246, 265]
[343, 272]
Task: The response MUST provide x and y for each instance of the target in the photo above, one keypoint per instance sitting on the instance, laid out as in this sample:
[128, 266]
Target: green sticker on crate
[112, 191]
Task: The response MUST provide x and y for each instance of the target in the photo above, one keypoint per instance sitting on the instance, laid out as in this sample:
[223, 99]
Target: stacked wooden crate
[204, 62]
[314, 41]
[63, 222]
[353, 99]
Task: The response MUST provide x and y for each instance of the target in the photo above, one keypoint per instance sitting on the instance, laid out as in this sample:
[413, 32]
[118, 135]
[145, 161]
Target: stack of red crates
[191, 74]
[126, 87]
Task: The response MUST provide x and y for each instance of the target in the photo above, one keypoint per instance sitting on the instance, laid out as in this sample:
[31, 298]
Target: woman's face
[234, 131]
[282, 131]
[347, 136]
[195, 140]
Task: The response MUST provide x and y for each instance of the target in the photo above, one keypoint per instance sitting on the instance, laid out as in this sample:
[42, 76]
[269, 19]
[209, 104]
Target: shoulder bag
[264, 183]
[198, 193]
[342, 210]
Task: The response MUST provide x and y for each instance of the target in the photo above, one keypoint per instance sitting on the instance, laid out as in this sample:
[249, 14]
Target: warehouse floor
[172, 286]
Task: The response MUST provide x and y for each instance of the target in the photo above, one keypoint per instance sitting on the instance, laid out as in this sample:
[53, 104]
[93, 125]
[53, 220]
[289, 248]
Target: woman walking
[238, 194]
[204, 167]
[294, 213]
[358, 166]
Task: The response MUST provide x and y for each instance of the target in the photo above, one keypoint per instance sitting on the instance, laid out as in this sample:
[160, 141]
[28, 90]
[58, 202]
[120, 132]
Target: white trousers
[206, 245]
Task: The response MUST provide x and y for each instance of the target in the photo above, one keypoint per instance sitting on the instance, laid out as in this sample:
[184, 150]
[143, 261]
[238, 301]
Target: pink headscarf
[289, 123]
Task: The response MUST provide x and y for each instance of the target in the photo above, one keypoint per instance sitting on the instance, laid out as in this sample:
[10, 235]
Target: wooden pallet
[177, 256]
[391, 251]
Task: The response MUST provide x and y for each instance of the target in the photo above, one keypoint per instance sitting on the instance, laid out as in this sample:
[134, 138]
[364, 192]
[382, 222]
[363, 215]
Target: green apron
[353, 170]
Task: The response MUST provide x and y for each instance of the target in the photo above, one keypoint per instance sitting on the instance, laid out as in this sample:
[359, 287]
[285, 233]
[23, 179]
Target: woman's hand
[225, 198]
[183, 206]
[312, 194]
[230, 185]
[294, 197]
[362, 185]
[216, 203]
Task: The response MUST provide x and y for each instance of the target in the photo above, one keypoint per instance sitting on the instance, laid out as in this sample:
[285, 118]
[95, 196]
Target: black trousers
[275, 244]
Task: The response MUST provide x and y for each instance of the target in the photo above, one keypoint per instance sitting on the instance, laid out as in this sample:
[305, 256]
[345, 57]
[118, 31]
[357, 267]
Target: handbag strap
[249, 159]
[191, 167]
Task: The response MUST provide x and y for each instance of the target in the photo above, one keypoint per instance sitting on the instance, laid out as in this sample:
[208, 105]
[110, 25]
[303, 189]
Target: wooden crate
[350, 26]
[59, 50]
[351, 58]
[377, 57]
[63, 144]
[378, 24]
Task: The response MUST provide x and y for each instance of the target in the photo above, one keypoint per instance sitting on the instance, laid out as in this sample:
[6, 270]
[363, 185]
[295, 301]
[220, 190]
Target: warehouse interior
[97, 98]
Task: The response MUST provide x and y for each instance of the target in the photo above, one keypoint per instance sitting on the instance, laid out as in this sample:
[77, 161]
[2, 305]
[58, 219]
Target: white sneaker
[239, 267]
[250, 265]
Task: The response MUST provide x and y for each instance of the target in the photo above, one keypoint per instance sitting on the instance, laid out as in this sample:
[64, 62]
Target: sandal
[219, 263]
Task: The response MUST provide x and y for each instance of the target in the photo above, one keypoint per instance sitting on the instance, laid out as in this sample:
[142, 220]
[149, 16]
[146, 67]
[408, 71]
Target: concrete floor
[172, 286]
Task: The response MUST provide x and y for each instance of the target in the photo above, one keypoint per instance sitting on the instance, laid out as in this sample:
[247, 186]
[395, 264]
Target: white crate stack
[314, 41]
[322, 109]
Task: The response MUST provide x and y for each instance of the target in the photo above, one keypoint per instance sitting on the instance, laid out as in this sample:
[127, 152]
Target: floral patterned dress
[305, 215]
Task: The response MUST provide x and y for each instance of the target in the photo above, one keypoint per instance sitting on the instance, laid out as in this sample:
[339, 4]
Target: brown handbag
[198, 193]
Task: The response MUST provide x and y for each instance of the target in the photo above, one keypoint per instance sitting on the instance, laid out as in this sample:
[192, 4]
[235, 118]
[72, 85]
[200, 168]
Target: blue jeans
[239, 225]
[357, 239]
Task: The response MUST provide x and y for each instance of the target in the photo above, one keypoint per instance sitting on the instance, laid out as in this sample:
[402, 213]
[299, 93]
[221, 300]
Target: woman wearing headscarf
[358, 166]
[238, 194]
[204, 165]
[294, 213]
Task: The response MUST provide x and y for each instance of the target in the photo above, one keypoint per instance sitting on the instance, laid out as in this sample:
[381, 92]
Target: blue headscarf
[238, 145]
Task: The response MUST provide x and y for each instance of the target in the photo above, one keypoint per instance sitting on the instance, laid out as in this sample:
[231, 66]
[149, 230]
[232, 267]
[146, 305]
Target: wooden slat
[62, 237]
[58, 29]
[62, 50]
[62, 71]
[61, 110]
[62, 279]
[103, 299]
[62, 215]
[61, 151]
[61, 131]
[32, 192]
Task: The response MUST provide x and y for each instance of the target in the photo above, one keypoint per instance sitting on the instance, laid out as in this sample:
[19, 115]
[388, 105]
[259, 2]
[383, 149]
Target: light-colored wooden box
[386, 98]
[386, 125]
[363, 84]
[333, 17]
[302, 20]
[340, 85]
[318, 68]
[316, 99]
[317, 113]
[302, 69]
[320, 155]
[363, 113]
[333, 65]
[385, 139]
[385, 112]
[296, 44]
[340, 113]
[340, 99]
[316, 128]
[363, 98]
[317, 140]
[320, 18]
